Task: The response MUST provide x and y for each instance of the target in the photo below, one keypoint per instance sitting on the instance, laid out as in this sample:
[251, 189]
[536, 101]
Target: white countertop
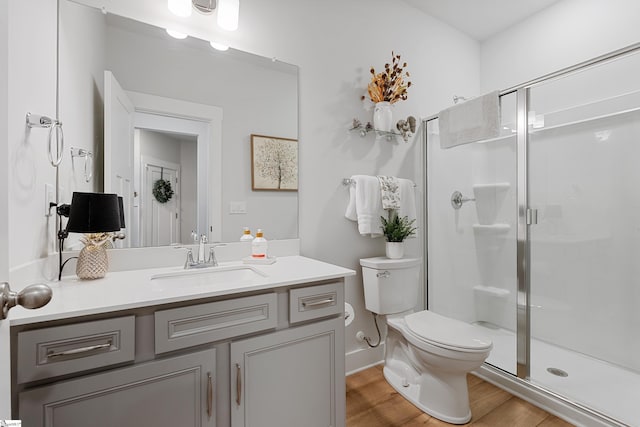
[125, 290]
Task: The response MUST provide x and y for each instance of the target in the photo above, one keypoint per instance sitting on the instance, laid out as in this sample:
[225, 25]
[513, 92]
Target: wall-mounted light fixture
[228, 10]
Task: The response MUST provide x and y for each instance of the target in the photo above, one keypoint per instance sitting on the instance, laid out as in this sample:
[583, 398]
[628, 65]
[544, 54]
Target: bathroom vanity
[233, 345]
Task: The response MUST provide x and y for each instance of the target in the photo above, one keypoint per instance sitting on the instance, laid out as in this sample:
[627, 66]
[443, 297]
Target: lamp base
[93, 263]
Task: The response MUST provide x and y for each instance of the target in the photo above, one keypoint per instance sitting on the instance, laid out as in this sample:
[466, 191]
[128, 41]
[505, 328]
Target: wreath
[162, 190]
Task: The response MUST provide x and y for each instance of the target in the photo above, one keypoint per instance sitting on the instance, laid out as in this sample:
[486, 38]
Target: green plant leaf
[396, 229]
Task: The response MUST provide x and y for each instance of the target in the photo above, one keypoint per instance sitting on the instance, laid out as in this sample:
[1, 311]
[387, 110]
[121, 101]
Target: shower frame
[526, 217]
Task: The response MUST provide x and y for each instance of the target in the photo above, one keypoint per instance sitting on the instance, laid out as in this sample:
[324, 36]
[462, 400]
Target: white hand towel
[471, 121]
[365, 205]
[408, 197]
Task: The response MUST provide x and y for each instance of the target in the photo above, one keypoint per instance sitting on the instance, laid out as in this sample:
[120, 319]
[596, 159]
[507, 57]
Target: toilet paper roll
[349, 314]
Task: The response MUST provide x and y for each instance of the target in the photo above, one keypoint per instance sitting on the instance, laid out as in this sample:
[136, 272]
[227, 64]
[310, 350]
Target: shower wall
[471, 250]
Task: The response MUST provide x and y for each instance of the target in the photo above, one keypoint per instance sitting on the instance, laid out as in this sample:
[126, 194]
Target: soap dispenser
[246, 235]
[259, 246]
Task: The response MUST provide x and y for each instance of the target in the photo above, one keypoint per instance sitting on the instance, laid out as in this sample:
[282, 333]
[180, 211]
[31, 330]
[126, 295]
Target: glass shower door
[584, 183]
[471, 253]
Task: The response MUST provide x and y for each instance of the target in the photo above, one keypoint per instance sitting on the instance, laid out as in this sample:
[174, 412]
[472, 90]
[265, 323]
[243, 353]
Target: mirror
[149, 107]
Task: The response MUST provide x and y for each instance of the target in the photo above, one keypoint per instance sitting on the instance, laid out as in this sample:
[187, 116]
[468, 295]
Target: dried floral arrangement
[389, 85]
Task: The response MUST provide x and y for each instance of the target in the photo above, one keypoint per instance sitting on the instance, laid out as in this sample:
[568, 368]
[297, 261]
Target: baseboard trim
[363, 358]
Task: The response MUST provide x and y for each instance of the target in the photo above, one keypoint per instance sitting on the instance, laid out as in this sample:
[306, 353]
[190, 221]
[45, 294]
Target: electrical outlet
[49, 197]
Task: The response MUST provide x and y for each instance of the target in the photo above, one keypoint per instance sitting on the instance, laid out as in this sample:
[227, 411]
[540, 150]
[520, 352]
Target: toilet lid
[444, 331]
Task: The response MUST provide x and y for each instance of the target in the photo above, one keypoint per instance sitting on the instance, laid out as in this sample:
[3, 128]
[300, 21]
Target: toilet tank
[390, 285]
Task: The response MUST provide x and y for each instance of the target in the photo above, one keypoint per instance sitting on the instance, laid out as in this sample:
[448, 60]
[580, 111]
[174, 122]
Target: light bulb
[181, 8]
[176, 34]
[228, 13]
[219, 46]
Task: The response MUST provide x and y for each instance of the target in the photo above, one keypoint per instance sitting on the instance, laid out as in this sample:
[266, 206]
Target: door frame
[209, 150]
[5, 343]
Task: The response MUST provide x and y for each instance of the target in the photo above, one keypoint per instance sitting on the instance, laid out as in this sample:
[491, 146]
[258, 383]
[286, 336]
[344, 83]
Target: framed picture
[274, 163]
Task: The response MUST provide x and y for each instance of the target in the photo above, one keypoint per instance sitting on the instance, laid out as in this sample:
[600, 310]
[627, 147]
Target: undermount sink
[212, 275]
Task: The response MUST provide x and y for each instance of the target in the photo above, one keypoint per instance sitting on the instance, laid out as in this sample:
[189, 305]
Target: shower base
[601, 386]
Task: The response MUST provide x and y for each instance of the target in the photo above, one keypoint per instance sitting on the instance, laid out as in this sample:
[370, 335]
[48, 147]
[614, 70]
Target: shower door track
[523, 314]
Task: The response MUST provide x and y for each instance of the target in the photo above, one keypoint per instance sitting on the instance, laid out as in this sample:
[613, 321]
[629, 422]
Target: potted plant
[395, 230]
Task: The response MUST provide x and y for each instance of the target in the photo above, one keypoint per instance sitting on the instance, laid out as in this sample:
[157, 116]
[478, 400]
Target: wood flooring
[372, 402]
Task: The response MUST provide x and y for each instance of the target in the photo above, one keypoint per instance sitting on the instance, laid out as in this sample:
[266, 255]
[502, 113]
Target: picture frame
[274, 163]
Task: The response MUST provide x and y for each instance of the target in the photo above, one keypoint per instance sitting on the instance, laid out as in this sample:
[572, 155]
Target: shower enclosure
[541, 247]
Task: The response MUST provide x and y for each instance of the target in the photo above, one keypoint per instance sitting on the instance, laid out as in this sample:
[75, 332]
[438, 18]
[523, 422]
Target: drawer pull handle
[52, 354]
[318, 302]
[209, 395]
[238, 385]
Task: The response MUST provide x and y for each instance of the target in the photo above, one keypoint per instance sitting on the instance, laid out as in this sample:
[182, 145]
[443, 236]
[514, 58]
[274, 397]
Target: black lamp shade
[121, 205]
[94, 213]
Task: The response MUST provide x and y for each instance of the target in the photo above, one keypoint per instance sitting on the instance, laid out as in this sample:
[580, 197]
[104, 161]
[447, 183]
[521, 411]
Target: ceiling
[481, 19]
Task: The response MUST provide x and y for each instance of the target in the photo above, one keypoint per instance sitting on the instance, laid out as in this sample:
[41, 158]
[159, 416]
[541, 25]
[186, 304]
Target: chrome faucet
[201, 248]
[201, 260]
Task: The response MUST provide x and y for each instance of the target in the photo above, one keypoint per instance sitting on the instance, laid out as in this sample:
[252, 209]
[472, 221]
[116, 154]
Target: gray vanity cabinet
[290, 377]
[176, 391]
[266, 359]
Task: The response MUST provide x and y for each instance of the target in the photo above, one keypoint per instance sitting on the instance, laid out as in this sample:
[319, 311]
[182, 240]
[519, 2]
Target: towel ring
[55, 127]
[88, 161]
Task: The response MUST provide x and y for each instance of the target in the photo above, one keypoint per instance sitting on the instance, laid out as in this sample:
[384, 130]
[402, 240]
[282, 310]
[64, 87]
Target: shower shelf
[493, 185]
[492, 290]
[491, 228]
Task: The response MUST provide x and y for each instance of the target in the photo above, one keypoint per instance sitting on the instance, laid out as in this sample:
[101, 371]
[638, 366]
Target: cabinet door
[293, 377]
[171, 392]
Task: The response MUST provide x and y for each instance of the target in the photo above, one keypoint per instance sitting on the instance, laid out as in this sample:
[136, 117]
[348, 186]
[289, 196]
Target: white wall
[31, 88]
[5, 352]
[569, 32]
[81, 100]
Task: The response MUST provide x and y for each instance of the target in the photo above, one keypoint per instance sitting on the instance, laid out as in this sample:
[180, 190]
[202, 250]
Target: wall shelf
[405, 133]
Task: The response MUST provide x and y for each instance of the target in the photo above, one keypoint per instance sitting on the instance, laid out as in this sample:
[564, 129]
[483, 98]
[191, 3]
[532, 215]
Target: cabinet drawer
[49, 352]
[183, 327]
[314, 302]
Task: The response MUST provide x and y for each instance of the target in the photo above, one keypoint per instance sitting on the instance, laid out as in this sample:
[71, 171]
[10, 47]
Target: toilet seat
[432, 329]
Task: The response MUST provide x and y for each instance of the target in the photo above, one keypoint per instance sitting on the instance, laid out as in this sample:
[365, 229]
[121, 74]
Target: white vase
[382, 116]
[394, 250]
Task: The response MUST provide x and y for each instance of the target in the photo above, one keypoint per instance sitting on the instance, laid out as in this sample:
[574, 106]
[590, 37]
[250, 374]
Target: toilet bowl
[427, 356]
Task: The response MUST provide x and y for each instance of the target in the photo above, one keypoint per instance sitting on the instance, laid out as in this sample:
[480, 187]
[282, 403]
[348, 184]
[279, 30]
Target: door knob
[33, 296]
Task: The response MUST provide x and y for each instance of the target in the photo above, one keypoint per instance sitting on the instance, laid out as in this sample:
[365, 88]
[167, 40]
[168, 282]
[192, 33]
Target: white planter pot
[394, 250]
[382, 116]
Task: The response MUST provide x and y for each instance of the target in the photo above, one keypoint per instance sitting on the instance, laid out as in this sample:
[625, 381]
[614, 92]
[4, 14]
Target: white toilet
[427, 356]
